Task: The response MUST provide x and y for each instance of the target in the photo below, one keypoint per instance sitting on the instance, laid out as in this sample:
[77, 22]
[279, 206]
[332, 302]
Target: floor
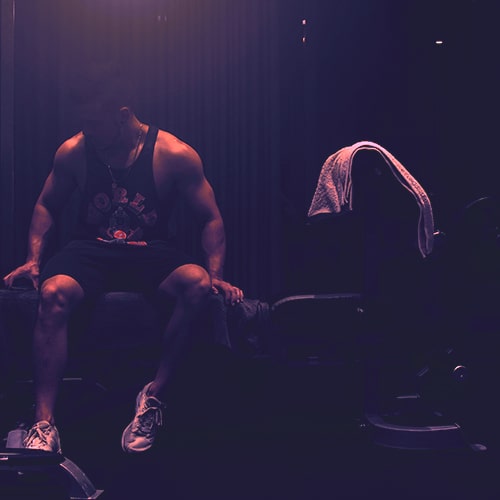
[256, 430]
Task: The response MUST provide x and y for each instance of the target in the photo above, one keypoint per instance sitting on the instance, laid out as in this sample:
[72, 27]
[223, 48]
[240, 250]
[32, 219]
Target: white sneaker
[140, 434]
[43, 436]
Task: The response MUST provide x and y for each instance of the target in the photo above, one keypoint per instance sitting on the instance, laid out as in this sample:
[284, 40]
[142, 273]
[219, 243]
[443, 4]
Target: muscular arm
[56, 191]
[213, 242]
[200, 196]
[42, 222]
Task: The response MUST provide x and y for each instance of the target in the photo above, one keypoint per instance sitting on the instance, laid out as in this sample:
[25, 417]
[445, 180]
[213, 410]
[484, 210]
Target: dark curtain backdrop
[206, 70]
[234, 79]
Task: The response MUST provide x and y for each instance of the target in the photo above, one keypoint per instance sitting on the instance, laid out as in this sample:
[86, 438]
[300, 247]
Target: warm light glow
[439, 42]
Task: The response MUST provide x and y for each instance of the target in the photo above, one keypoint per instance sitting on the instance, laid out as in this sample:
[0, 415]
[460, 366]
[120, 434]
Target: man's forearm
[42, 222]
[213, 241]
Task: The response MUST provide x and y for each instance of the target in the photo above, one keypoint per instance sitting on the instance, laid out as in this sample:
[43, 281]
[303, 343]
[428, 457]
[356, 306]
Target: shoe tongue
[43, 424]
[152, 402]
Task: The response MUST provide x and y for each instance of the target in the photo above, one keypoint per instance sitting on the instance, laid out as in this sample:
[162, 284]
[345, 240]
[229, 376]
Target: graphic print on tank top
[121, 207]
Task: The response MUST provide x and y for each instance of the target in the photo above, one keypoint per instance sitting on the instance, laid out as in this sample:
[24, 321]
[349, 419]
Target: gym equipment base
[32, 469]
[413, 437]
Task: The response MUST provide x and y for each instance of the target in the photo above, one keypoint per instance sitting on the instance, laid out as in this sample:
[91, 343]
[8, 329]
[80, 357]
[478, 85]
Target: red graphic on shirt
[120, 196]
[137, 204]
[120, 220]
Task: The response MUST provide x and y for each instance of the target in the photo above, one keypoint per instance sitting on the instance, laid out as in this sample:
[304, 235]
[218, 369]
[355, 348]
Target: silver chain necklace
[114, 184]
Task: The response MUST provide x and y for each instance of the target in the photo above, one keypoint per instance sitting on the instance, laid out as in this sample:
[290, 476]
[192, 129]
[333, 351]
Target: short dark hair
[102, 82]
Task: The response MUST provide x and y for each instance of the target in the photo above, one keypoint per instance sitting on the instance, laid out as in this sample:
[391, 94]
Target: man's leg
[189, 285]
[58, 297]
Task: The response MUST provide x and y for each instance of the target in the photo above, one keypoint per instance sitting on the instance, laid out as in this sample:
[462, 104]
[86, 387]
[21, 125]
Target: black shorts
[99, 267]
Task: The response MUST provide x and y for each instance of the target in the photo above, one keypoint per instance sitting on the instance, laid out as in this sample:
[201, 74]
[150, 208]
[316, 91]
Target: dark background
[264, 109]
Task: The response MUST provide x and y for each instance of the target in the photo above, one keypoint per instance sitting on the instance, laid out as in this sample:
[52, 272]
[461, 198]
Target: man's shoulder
[174, 150]
[72, 149]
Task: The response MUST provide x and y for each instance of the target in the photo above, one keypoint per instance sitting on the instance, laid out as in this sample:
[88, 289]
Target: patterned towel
[334, 189]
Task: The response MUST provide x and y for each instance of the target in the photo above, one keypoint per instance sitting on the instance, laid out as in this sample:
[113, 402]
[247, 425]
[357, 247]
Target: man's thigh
[89, 265]
[145, 268]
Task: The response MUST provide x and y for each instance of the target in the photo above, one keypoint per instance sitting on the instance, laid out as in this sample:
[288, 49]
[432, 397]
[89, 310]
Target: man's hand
[30, 271]
[232, 294]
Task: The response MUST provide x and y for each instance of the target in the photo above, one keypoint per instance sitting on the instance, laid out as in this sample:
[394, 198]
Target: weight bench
[378, 304]
[113, 346]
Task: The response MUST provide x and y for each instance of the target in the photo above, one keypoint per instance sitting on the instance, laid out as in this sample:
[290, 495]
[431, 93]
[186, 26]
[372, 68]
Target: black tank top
[122, 206]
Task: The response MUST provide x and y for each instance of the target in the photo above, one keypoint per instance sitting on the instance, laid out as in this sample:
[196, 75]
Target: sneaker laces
[147, 418]
[38, 436]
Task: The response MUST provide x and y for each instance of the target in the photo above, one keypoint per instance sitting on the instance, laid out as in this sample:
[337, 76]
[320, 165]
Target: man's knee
[59, 295]
[190, 283]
